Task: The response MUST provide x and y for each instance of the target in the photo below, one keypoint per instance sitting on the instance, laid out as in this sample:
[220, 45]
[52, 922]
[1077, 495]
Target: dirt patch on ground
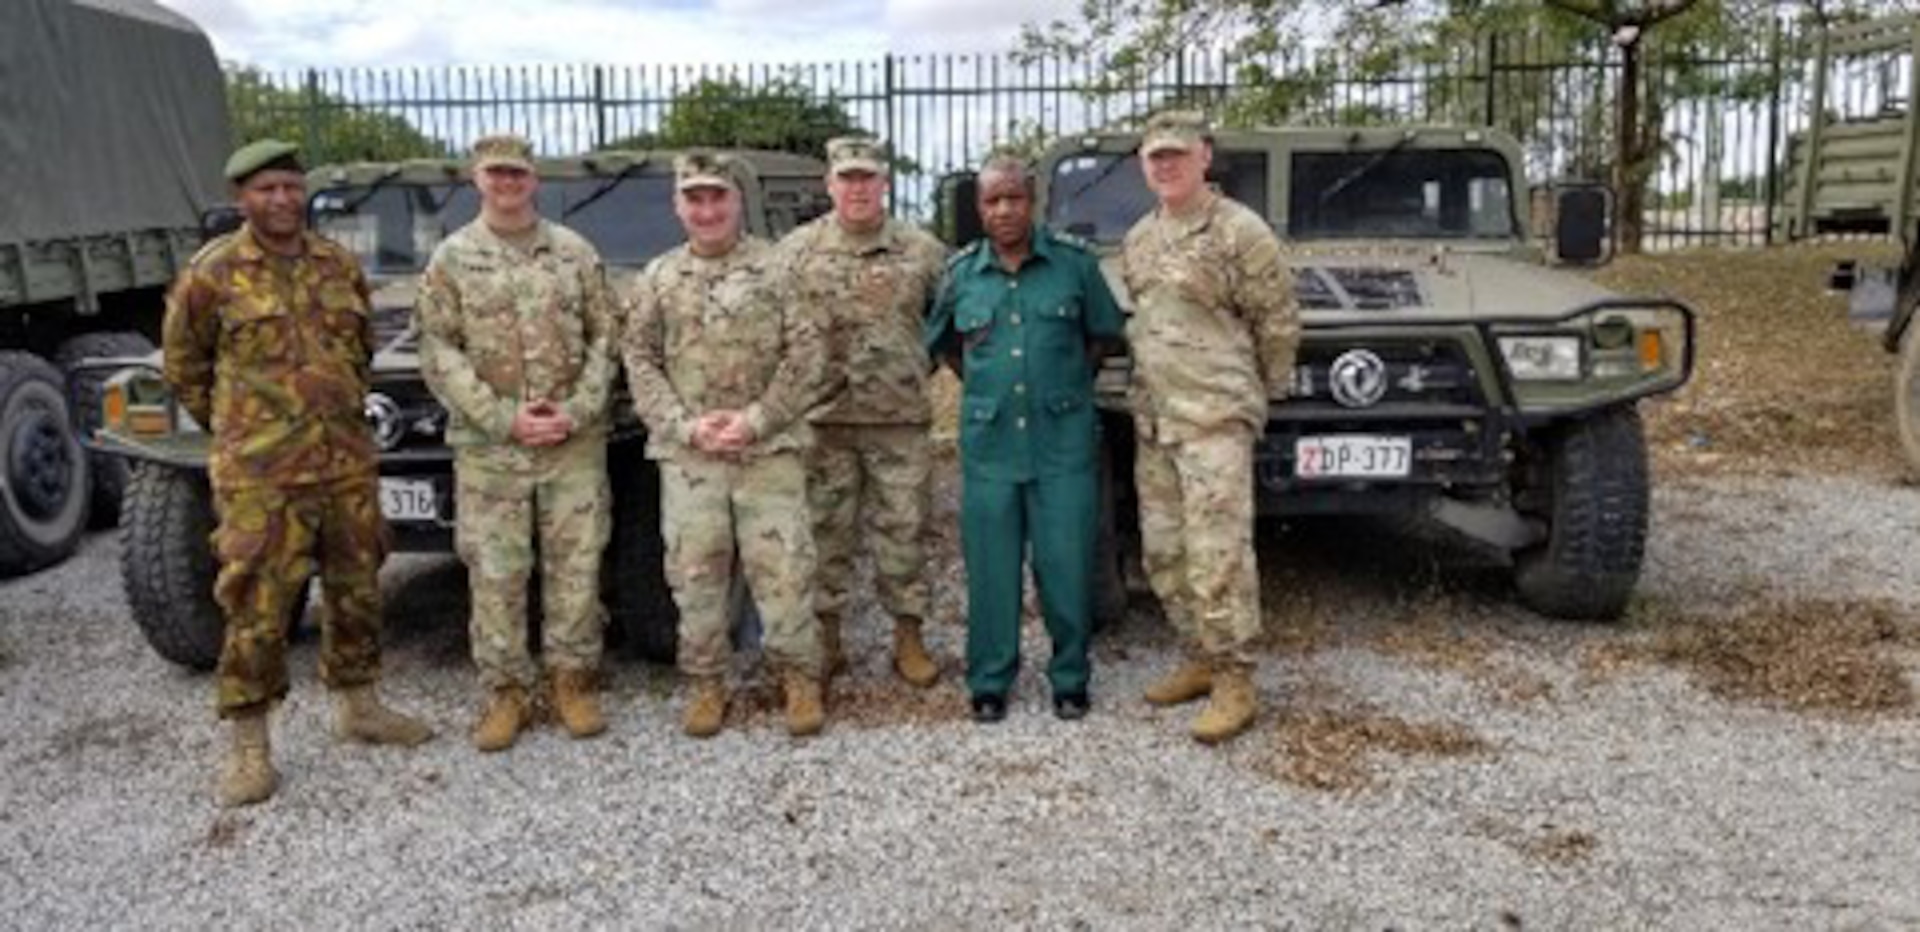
[1324, 740]
[1783, 383]
[858, 701]
[1550, 843]
[1819, 656]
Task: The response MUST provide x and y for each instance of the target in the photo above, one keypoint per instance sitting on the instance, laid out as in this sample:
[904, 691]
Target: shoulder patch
[963, 253]
[213, 247]
[1069, 239]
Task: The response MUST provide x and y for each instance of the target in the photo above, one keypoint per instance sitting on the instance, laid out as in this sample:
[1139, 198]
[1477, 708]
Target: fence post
[310, 145]
[893, 143]
[599, 107]
[1775, 78]
[1493, 70]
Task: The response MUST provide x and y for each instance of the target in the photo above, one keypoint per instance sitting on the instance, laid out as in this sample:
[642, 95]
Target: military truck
[1448, 370]
[1852, 171]
[113, 126]
[392, 215]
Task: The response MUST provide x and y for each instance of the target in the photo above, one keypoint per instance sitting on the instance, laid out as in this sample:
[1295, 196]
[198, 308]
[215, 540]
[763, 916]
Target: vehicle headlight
[1542, 358]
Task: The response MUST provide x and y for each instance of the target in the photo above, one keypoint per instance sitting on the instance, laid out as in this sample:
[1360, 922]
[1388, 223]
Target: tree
[1141, 41]
[328, 127]
[781, 115]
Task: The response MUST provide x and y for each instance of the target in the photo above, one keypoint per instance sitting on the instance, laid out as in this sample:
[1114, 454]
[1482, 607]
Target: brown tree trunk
[1629, 181]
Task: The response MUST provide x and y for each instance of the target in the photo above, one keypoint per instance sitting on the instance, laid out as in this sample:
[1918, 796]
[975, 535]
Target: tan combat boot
[1231, 708]
[1191, 681]
[830, 647]
[358, 715]
[910, 658]
[505, 716]
[577, 701]
[706, 711]
[247, 775]
[806, 715]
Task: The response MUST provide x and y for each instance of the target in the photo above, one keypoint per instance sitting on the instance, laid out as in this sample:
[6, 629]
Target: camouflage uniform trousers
[882, 474]
[270, 541]
[506, 498]
[1196, 528]
[711, 509]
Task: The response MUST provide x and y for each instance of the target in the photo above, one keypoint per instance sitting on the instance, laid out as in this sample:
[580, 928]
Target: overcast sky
[278, 34]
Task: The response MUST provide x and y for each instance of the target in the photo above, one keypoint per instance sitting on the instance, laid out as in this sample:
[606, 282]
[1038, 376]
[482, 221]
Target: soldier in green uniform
[268, 341]
[1024, 314]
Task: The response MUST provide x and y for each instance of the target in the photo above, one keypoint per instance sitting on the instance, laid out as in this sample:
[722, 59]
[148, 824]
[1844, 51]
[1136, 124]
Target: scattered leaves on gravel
[1808, 655]
[1333, 749]
[1783, 383]
[1551, 843]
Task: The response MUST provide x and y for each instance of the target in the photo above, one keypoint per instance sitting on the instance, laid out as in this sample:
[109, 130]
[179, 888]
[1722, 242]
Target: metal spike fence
[1724, 117]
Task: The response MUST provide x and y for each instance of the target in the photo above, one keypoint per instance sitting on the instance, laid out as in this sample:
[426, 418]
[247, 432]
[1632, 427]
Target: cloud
[363, 33]
[934, 26]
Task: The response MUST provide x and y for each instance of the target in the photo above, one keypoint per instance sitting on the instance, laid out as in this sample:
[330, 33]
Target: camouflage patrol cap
[705, 170]
[1173, 129]
[502, 149]
[258, 156]
[856, 154]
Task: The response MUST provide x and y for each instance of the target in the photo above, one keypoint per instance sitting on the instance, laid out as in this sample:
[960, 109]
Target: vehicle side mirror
[219, 221]
[1581, 217]
[958, 214]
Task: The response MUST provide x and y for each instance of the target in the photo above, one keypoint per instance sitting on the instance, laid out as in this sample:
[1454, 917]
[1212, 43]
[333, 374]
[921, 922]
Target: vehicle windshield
[1413, 193]
[1099, 197]
[394, 228]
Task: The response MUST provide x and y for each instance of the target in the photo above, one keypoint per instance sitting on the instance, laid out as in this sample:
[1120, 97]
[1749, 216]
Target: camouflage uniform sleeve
[1265, 296]
[369, 341]
[190, 335]
[588, 403]
[444, 363]
[644, 346]
[791, 392]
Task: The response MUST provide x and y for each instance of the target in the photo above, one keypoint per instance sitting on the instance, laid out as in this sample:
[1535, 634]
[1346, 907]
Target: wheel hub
[40, 465]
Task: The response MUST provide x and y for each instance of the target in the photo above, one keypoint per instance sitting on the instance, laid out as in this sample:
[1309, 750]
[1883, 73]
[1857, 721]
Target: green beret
[257, 155]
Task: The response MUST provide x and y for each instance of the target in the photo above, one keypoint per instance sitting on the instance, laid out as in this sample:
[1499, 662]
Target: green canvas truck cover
[112, 119]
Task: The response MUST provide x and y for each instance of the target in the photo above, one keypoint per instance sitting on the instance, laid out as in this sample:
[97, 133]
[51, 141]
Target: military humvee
[392, 216]
[1448, 369]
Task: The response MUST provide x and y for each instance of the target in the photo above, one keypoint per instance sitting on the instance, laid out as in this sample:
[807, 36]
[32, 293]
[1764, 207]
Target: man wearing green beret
[1024, 314]
[1214, 331]
[517, 334]
[268, 340]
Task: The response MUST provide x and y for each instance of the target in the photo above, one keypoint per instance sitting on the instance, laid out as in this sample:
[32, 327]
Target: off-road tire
[640, 607]
[109, 473]
[1594, 474]
[43, 468]
[167, 563]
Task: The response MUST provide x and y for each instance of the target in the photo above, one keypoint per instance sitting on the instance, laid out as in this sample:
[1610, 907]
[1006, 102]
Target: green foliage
[327, 126]
[780, 115]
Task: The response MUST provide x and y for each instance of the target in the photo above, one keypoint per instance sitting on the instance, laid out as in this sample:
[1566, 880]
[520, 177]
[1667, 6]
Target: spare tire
[43, 468]
[167, 564]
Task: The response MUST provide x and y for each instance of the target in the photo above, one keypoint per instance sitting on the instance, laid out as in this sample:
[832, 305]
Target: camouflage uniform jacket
[714, 335]
[872, 294]
[272, 354]
[1215, 323]
[501, 326]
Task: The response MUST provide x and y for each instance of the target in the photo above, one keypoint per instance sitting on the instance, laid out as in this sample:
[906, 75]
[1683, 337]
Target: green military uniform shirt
[1027, 411]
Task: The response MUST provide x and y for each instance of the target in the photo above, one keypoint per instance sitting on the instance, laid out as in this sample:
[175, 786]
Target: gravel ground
[1528, 789]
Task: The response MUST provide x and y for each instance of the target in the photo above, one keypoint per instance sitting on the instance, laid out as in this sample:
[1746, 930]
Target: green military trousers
[1000, 522]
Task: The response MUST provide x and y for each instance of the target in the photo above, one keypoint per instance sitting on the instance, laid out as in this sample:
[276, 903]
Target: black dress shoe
[1070, 706]
[989, 708]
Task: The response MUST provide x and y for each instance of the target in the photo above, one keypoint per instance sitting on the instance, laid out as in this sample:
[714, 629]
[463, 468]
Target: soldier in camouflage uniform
[268, 341]
[721, 370]
[1214, 332]
[871, 279]
[517, 333]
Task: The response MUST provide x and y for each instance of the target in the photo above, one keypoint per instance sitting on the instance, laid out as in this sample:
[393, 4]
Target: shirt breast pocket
[259, 328]
[975, 325]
